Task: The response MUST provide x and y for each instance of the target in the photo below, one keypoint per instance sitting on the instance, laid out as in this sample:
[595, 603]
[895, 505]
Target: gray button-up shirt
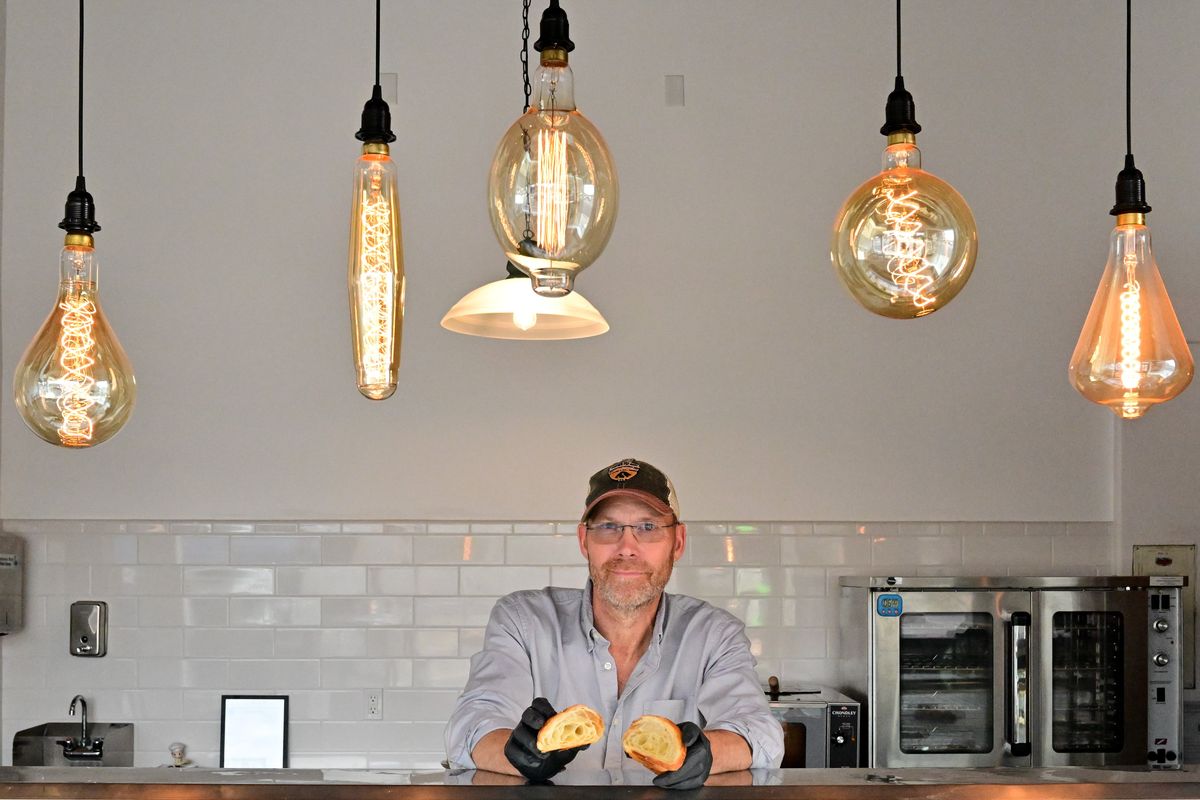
[543, 643]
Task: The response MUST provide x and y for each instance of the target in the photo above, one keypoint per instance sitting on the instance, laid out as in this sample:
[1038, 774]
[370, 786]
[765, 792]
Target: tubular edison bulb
[905, 242]
[74, 386]
[1131, 353]
[552, 190]
[376, 273]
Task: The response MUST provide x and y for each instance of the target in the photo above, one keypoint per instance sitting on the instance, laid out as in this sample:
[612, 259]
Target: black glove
[696, 764]
[522, 751]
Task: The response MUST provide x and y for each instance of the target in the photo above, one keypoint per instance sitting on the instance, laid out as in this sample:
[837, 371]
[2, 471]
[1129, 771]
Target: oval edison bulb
[74, 386]
[1131, 353]
[552, 188]
[905, 242]
[376, 273]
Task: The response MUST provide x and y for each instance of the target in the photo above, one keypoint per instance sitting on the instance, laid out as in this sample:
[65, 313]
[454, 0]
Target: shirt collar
[587, 618]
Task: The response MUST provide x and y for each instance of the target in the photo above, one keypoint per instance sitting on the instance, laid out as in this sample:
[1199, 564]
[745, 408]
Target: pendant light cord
[1128, 77]
[80, 173]
[898, 72]
[377, 42]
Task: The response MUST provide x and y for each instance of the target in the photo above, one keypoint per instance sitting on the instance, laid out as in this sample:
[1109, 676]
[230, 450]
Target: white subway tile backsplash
[275, 674]
[321, 643]
[275, 550]
[361, 612]
[491, 582]
[556, 549]
[467, 549]
[228, 580]
[321, 580]
[275, 611]
[228, 643]
[381, 549]
[326, 610]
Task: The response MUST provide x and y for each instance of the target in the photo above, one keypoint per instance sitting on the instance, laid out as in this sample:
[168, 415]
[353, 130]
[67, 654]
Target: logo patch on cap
[624, 470]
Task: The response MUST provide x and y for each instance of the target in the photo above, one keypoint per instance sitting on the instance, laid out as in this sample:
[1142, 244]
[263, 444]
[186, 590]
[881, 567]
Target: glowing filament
[377, 282]
[1131, 338]
[77, 345]
[904, 245]
[550, 211]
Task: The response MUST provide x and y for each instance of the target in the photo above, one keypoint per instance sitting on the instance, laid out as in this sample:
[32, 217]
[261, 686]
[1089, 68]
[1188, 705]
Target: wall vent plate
[89, 628]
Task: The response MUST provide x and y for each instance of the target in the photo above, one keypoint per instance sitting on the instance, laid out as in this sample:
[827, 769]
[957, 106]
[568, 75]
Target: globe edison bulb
[376, 273]
[905, 242]
[552, 188]
[1131, 353]
[74, 386]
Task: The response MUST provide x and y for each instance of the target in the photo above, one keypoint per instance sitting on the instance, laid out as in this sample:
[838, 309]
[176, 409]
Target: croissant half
[574, 726]
[656, 743]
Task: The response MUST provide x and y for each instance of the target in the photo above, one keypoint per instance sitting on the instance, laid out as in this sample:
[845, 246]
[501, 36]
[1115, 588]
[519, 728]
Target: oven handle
[1018, 686]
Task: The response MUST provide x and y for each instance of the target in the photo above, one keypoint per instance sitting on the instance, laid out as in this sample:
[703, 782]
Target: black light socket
[555, 30]
[1131, 190]
[513, 270]
[901, 111]
[376, 120]
[80, 216]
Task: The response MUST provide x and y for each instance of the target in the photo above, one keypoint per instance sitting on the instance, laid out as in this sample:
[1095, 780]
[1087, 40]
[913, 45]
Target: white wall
[220, 139]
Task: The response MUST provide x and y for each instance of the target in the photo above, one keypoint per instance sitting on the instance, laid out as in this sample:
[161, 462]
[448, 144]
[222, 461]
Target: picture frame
[254, 731]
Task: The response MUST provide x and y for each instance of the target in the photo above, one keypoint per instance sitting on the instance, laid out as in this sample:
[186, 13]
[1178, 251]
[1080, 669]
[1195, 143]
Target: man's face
[629, 574]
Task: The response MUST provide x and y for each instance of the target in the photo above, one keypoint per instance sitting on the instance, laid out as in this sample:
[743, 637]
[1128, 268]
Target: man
[622, 646]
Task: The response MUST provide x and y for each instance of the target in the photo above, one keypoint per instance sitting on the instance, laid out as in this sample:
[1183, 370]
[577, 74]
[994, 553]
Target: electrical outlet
[375, 704]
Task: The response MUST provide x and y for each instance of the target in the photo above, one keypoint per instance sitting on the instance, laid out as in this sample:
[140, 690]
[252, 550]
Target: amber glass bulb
[1131, 353]
[376, 273]
[552, 189]
[904, 243]
[74, 387]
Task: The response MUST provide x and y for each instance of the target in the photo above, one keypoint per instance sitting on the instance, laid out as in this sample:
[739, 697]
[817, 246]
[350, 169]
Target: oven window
[946, 683]
[1089, 682]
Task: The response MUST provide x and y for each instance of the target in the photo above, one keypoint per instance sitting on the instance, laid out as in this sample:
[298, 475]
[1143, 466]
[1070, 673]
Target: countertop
[788, 784]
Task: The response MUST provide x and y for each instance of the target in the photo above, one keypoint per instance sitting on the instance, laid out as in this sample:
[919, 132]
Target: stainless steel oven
[820, 726]
[1016, 671]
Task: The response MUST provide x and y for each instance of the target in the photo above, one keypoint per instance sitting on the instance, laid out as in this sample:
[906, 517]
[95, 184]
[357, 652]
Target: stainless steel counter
[1068, 783]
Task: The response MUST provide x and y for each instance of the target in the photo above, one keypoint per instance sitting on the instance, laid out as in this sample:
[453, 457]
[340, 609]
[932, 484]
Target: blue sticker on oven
[889, 605]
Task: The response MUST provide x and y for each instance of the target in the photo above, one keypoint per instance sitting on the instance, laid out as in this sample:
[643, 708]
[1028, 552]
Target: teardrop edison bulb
[376, 273]
[74, 386]
[552, 190]
[1131, 353]
[905, 242]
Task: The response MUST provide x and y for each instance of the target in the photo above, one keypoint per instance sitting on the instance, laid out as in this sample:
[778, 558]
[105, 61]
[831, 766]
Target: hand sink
[43, 745]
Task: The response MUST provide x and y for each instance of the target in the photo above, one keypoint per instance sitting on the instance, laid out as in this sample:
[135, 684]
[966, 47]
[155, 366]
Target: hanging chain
[525, 53]
[527, 234]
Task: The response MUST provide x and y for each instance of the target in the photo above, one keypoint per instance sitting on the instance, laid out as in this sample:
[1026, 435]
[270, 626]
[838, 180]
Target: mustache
[625, 563]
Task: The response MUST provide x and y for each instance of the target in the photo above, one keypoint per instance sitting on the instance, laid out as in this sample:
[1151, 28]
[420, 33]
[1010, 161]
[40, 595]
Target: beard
[629, 593]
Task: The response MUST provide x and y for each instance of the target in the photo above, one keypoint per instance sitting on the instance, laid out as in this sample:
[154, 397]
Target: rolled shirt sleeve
[498, 690]
[731, 699]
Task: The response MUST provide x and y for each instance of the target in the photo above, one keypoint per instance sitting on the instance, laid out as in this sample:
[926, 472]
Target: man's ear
[680, 540]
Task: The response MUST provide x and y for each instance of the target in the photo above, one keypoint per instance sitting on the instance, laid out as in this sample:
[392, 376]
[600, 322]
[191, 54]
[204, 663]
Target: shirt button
[608, 665]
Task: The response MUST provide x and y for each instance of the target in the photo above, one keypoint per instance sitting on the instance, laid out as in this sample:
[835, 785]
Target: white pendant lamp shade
[510, 309]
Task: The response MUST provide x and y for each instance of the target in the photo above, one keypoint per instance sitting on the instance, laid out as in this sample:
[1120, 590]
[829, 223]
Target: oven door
[805, 733]
[950, 679]
[1090, 652]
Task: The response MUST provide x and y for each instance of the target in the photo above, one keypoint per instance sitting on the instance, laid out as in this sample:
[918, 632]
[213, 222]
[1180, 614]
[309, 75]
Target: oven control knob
[839, 739]
[1161, 625]
[1161, 659]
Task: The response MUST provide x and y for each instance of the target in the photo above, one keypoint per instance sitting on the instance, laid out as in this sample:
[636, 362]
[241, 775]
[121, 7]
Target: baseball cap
[633, 478]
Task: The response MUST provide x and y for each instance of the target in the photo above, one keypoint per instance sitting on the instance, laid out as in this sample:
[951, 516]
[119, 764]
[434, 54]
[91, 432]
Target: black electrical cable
[1128, 77]
[80, 173]
[377, 42]
[898, 38]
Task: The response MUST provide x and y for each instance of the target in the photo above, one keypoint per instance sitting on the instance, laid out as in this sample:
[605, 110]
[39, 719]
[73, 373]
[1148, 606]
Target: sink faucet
[84, 742]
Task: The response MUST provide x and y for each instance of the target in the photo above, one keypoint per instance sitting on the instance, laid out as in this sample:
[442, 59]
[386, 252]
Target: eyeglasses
[645, 532]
